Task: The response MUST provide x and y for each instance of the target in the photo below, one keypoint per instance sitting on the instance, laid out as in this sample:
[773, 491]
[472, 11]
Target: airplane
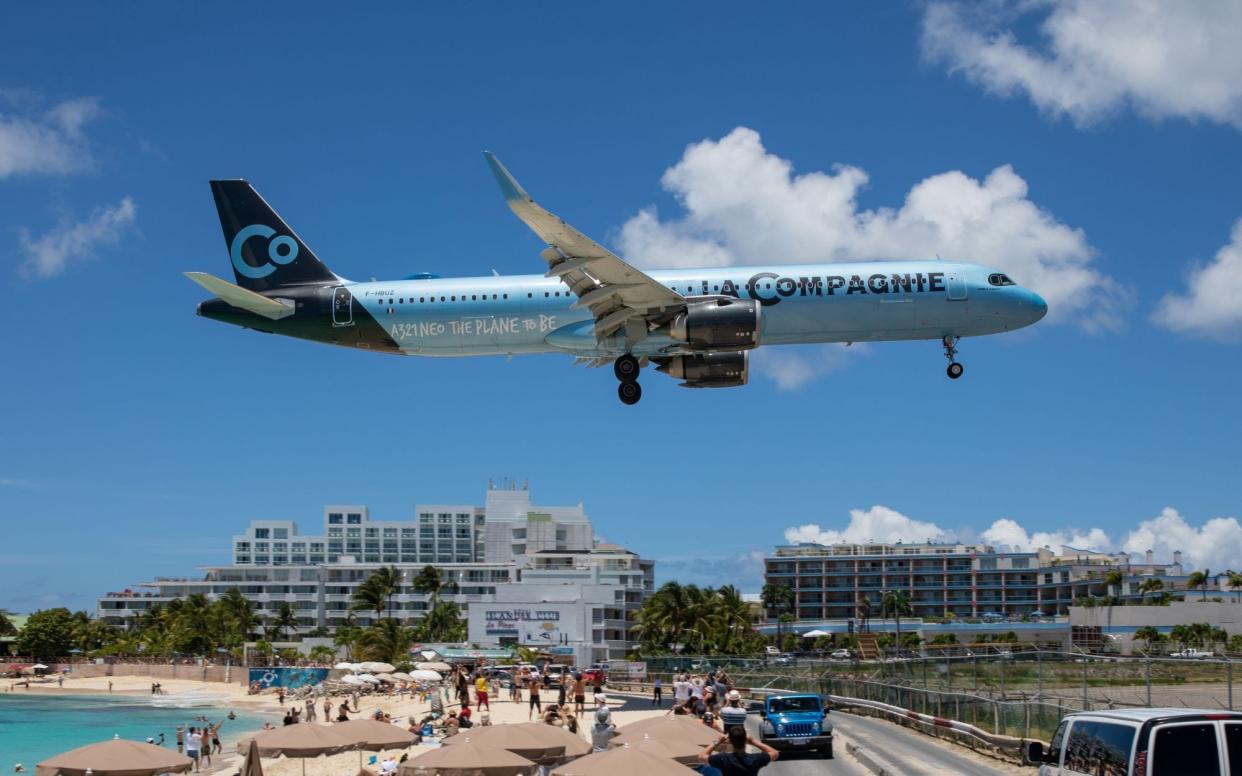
[695, 325]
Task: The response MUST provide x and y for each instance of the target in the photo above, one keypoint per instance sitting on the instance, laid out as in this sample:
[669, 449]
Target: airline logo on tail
[280, 250]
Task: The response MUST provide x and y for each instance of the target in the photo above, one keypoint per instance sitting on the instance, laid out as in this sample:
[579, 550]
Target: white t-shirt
[193, 742]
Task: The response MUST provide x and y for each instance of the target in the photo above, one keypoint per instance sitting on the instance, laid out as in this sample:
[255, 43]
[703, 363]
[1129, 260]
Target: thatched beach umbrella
[376, 736]
[467, 759]
[251, 765]
[670, 748]
[680, 727]
[558, 736]
[434, 666]
[301, 741]
[511, 737]
[115, 758]
[621, 762]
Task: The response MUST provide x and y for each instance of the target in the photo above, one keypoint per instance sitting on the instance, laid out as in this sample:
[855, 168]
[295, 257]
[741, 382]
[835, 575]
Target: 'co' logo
[280, 250]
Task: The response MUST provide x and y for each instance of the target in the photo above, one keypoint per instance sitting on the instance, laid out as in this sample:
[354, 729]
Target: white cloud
[1216, 544]
[793, 367]
[745, 205]
[11, 482]
[1008, 533]
[1096, 57]
[50, 143]
[1210, 305]
[49, 255]
[878, 524]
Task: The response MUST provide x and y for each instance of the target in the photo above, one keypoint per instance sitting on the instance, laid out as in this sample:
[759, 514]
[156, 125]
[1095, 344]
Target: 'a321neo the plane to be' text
[696, 325]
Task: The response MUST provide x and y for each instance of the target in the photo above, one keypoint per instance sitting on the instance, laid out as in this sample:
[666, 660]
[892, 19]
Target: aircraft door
[955, 287]
[342, 307]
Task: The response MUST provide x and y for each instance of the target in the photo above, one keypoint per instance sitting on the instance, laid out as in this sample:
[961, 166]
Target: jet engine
[709, 370]
[719, 324]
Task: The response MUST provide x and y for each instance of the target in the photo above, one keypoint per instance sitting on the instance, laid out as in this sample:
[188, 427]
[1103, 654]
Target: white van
[1143, 742]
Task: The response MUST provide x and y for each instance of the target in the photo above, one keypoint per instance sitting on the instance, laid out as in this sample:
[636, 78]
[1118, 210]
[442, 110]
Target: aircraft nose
[1038, 305]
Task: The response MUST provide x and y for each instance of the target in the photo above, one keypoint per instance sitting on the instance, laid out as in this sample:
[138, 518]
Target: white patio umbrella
[368, 678]
[814, 634]
[345, 667]
[352, 679]
[434, 666]
[403, 676]
[425, 675]
[380, 668]
[39, 667]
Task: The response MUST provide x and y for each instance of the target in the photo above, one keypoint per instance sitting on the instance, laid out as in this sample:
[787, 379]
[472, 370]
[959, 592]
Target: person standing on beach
[579, 694]
[204, 751]
[657, 692]
[192, 743]
[109, 688]
[480, 691]
[310, 710]
[180, 739]
[327, 709]
[535, 702]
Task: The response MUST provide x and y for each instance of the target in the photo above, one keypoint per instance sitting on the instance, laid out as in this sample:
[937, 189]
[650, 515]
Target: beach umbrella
[575, 746]
[814, 634]
[467, 758]
[381, 668]
[368, 678]
[434, 666]
[677, 727]
[251, 765]
[376, 736]
[670, 748]
[423, 674]
[403, 676]
[515, 739]
[345, 667]
[351, 679]
[385, 677]
[621, 762]
[115, 758]
[301, 741]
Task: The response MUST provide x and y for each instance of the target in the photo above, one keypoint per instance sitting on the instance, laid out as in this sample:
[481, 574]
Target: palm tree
[370, 596]
[443, 623]
[894, 604]
[387, 580]
[7, 628]
[322, 653]
[1149, 636]
[1112, 581]
[240, 613]
[192, 629]
[1150, 585]
[1235, 582]
[388, 641]
[286, 619]
[1198, 579]
[864, 610]
[347, 636]
[779, 599]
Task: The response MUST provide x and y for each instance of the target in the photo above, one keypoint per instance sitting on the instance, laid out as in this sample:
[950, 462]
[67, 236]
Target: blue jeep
[795, 722]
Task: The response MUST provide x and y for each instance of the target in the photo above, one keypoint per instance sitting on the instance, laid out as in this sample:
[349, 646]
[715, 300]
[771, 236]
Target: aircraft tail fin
[266, 253]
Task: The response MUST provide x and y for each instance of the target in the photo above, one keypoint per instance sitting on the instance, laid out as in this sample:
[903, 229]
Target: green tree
[1198, 579]
[240, 614]
[443, 623]
[1150, 585]
[322, 653]
[48, 634]
[1113, 580]
[388, 641]
[1235, 582]
[286, 619]
[895, 603]
[7, 628]
[863, 607]
[1150, 637]
[348, 636]
[944, 638]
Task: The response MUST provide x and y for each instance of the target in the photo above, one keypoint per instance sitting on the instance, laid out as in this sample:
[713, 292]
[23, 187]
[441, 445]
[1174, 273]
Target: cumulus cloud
[1097, 57]
[50, 254]
[792, 367]
[1008, 533]
[47, 143]
[744, 205]
[878, 524]
[1209, 307]
[1216, 544]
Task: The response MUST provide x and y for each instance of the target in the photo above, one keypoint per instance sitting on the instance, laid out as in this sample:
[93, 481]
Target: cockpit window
[998, 279]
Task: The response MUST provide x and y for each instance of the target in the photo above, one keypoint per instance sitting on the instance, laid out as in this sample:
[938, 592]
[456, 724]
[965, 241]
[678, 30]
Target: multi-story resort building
[507, 547]
[954, 580]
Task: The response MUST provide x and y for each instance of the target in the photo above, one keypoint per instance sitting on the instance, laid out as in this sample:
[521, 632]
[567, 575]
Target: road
[908, 752]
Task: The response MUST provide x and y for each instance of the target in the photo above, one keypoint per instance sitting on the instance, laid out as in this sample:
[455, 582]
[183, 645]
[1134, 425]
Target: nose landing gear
[627, 369]
[950, 350]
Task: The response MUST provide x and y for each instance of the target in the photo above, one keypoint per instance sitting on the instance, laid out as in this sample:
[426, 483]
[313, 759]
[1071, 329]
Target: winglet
[508, 185]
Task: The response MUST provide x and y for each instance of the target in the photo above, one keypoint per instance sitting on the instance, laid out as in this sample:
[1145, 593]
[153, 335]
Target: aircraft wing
[619, 295]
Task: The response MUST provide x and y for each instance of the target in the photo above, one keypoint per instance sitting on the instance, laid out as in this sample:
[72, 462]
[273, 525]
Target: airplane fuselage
[801, 304]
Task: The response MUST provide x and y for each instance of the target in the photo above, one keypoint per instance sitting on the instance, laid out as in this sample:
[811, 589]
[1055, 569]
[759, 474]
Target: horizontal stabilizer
[273, 309]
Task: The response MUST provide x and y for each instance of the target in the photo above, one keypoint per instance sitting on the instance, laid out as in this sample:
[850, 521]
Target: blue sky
[138, 438]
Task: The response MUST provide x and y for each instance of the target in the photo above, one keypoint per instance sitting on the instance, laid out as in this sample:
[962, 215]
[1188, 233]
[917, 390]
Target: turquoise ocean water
[35, 727]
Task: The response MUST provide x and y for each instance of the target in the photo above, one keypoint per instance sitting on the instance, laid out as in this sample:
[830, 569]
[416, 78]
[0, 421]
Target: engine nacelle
[709, 370]
[719, 324]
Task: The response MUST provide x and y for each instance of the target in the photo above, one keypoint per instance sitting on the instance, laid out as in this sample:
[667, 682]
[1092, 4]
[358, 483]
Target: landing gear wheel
[626, 368]
[955, 370]
[950, 352]
[629, 392]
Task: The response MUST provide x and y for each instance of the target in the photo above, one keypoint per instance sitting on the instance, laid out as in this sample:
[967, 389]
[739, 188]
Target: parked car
[840, 654]
[771, 651]
[797, 722]
[1192, 653]
[1142, 742]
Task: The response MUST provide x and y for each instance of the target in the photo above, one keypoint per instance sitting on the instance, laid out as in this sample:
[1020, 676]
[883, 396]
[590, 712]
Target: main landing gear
[950, 350]
[627, 369]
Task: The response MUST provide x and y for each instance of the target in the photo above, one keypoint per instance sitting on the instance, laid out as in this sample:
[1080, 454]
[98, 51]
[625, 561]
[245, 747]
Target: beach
[625, 709]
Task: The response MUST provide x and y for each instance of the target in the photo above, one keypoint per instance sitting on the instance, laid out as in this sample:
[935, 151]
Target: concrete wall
[1120, 622]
